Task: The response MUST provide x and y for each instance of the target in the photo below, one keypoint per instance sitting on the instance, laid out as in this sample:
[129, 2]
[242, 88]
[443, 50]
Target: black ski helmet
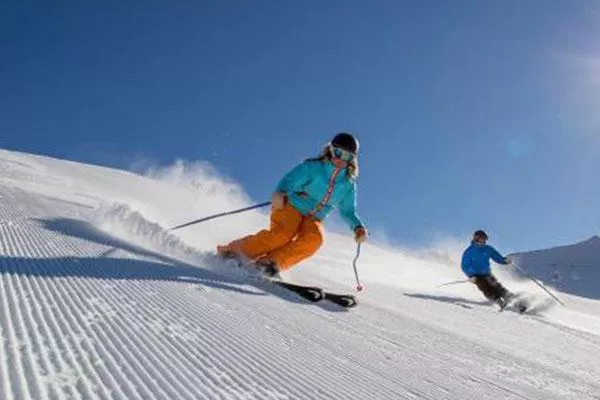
[345, 141]
[480, 234]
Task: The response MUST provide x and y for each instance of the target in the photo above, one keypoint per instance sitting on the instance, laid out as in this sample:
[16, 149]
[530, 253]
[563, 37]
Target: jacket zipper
[328, 194]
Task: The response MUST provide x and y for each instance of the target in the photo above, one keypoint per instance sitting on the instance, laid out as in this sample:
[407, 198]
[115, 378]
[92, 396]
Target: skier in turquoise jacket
[301, 202]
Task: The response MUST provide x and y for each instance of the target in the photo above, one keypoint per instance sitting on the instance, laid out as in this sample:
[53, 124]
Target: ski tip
[351, 303]
[315, 295]
[346, 301]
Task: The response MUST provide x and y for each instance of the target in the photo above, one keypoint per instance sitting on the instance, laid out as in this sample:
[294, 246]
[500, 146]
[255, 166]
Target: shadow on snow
[460, 301]
[162, 268]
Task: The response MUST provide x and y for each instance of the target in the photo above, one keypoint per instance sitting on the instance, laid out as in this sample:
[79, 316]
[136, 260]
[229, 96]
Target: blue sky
[471, 114]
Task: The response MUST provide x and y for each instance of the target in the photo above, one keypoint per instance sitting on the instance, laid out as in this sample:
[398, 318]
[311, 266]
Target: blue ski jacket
[476, 259]
[315, 188]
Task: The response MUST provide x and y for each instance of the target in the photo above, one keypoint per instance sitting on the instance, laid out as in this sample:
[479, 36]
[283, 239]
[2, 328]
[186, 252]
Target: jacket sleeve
[496, 256]
[348, 209]
[465, 263]
[296, 178]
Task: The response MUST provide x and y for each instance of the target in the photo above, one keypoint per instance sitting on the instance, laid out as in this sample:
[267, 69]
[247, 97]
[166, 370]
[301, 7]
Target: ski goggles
[342, 154]
[480, 240]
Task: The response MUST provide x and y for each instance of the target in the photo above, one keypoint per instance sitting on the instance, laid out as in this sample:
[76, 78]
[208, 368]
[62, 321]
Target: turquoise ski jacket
[315, 188]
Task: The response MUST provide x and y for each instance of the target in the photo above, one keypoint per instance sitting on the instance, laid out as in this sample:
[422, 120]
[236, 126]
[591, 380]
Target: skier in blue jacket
[476, 265]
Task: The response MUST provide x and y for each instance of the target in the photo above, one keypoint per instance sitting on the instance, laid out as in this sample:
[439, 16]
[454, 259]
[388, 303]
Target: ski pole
[539, 284]
[359, 287]
[453, 283]
[221, 215]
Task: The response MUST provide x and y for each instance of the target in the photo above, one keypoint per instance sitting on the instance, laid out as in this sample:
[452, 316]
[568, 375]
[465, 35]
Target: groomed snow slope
[99, 300]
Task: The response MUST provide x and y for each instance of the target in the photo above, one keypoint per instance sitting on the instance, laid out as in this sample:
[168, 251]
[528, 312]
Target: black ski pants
[489, 286]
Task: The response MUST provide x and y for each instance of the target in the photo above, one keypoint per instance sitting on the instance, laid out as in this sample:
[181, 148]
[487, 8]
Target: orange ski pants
[290, 239]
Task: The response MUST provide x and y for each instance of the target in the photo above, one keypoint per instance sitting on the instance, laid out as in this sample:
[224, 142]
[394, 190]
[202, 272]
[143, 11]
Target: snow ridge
[122, 221]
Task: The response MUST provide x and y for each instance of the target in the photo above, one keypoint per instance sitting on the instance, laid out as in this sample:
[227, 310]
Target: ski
[311, 293]
[315, 294]
[520, 308]
[344, 300]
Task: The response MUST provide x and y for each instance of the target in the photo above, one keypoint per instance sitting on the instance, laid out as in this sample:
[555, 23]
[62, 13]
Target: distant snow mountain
[573, 268]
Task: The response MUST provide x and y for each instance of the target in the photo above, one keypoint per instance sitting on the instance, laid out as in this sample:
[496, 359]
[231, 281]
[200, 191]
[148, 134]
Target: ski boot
[502, 302]
[513, 300]
[267, 267]
[224, 253]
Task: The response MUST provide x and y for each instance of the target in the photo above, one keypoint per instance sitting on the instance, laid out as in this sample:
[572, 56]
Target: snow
[99, 300]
